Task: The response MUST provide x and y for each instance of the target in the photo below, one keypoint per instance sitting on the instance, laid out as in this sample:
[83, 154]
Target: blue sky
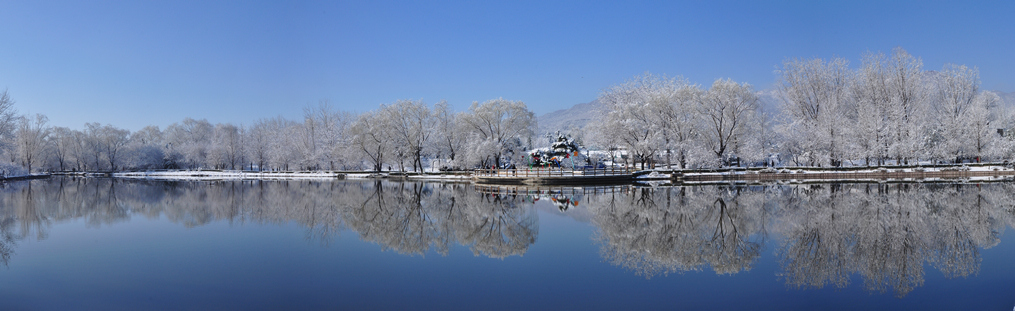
[137, 63]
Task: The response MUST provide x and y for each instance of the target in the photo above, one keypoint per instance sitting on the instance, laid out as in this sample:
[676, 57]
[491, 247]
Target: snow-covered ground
[219, 175]
[984, 168]
[975, 173]
[655, 175]
[244, 175]
[794, 174]
[441, 177]
[24, 176]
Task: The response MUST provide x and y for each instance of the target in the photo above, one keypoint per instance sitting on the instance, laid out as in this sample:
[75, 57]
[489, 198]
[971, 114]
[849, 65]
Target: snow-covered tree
[732, 115]
[331, 138]
[659, 117]
[31, 140]
[111, 142]
[562, 146]
[370, 140]
[499, 131]
[634, 116]
[412, 125]
[891, 107]
[258, 144]
[189, 139]
[283, 150]
[628, 122]
[80, 149]
[908, 103]
[91, 148]
[227, 147]
[61, 146]
[963, 115]
[146, 149]
[680, 127]
[1004, 144]
[817, 104]
[451, 136]
[981, 127]
[306, 139]
[8, 120]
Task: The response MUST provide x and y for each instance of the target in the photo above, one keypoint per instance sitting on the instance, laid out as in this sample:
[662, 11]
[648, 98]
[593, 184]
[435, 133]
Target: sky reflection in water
[126, 244]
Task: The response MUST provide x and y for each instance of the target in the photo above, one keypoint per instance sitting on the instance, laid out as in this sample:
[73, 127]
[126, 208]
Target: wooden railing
[552, 172]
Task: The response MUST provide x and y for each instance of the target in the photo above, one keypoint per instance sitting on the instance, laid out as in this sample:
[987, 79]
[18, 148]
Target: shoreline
[210, 175]
[937, 173]
[25, 177]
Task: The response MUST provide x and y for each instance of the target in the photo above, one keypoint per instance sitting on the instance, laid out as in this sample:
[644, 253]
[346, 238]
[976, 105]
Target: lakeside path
[988, 172]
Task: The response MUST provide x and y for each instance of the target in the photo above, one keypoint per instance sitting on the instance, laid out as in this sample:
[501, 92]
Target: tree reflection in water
[412, 218]
[7, 240]
[830, 233]
[659, 231]
[409, 218]
[885, 233]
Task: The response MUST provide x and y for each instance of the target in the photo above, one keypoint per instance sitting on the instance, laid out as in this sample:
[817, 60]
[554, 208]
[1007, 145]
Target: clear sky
[137, 63]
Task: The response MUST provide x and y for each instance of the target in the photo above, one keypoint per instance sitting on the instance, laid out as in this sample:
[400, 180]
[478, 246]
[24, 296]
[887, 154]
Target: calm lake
[92, 243]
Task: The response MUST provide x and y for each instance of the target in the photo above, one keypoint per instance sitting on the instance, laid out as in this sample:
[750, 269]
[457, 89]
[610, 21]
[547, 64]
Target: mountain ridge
[570, 119]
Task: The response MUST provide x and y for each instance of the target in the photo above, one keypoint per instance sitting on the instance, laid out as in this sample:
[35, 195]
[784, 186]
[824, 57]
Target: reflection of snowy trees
[884, 233]
[496, 225]
[7, 240]
[396, 217]
[410, 218]
[655, 231]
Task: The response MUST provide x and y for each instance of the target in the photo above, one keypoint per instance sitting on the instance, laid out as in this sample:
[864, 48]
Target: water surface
[71, 243]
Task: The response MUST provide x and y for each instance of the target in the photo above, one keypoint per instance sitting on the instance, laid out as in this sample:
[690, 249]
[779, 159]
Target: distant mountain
[575, 117]
[1007, 99]
[769, 101]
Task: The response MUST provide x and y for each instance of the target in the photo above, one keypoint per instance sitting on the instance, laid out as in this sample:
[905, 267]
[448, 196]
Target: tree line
[888, 111]
[405, 135]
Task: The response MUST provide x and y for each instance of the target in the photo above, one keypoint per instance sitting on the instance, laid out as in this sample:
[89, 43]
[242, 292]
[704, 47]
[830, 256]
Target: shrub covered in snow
[11, 170]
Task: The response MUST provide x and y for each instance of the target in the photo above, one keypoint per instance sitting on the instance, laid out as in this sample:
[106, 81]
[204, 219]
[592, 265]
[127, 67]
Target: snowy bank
[906, 174]
[221, 175]
[24, 177]
[412, 176]
[250, 175]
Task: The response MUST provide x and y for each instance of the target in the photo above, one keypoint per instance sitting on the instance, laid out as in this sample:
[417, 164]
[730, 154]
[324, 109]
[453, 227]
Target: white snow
[655, 175]
[219, 175]
[246, 175]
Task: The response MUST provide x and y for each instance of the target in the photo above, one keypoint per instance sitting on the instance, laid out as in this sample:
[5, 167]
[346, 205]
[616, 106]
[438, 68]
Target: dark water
[124, 244]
